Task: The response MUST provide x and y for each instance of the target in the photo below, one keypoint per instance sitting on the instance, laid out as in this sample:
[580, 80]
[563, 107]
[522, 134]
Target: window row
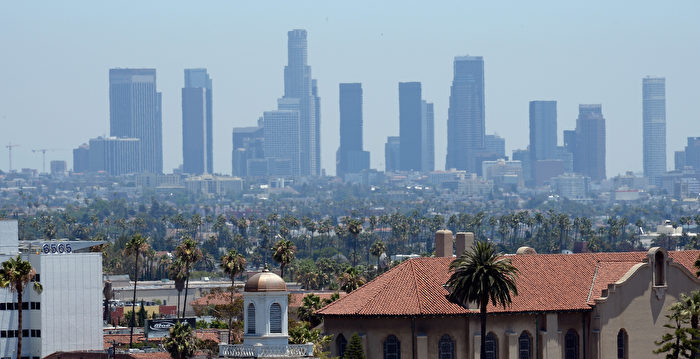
[25, 306]
[26, 333]
[446, 346]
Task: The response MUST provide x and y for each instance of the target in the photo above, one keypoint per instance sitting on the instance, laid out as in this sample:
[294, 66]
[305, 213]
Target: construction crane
[43, 155]
[9, 148]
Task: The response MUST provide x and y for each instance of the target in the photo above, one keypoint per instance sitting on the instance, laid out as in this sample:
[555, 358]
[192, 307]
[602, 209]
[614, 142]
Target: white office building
[67, 315]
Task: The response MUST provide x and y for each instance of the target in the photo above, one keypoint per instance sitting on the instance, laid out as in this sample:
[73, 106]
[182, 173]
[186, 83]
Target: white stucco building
[67, 315]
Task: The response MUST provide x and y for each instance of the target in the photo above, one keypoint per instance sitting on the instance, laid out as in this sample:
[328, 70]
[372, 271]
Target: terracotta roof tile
[546, 282]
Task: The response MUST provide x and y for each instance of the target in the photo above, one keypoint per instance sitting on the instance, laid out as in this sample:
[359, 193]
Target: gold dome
[265, 281]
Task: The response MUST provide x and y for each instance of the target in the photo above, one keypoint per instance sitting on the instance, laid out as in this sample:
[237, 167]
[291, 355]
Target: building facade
[543, 129]
[67, 314]
[135, 112]
[197, 120]
[427, 137]
[589, 305]
[282, 139]
[654, 127]
[115, 156]
[351, 158]
[410, 119]
[466, 126]
[248, 145]
[392, 154]
[589, 152]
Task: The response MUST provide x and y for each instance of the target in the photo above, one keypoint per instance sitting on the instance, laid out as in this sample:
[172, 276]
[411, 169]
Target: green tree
[480, 275]
[351, 280]
[690, 305]
[378, 247]
[309, 305]
[354, 228]
[136, 245]
[300, 333]
[181, 344]
[354, 349]
[16, 274]
[283, 252]
[141, 315]
[176, 272]
[188, 254]
[679, 342]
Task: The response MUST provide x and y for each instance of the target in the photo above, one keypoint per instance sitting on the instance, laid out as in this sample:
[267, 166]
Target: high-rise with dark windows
[135, 112]
[410, 126]
[543, 130]
[197, 122]
[589, 151]
[654, 127]
[351, 158]
[465, 118]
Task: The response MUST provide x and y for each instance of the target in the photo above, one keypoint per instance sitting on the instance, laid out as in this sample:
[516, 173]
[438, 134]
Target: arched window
[340, 344]
[524, 345]
[251, 318]
[659, 272]
[446, 348]
[275, 318]
[491, 346]
[392, 347]
[571, 345]
[622, 347]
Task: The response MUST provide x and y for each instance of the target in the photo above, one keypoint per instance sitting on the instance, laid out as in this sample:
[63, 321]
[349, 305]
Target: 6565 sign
[53, 248]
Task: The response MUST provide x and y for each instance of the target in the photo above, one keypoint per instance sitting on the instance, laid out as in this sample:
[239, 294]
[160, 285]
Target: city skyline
[337, 57]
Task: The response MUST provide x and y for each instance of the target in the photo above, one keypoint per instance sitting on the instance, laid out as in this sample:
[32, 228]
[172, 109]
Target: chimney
[443, 243]
[465, 241]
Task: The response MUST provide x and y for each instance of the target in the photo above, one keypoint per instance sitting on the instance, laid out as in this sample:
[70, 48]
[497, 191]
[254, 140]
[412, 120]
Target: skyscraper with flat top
[410, 126]
[589, 152]
[427, 137]
[465, 118]
[135, 112]
[281, 143]
[197, 122]
[298, 85]
[654, 127]
[543, 130]
[351, 158]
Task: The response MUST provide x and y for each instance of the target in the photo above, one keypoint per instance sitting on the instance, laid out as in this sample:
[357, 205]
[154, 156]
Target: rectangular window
[38, 305]
[3, 306]
[32, 305]
[25, 305]
[38, 333]
[15, 306]
[25, 333]
[11, 334]
[3, 333]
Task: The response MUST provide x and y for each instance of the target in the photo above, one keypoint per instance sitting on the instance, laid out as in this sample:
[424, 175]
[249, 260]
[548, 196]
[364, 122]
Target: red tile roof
[546, 282]
[296, 298]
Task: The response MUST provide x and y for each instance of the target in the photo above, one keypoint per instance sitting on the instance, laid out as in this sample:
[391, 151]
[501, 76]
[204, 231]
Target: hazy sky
[55, 58]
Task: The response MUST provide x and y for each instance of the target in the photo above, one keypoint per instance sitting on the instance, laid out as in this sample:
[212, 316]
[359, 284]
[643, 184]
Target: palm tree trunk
[19, 322]
[482, 317]
[133, 302]
[177, 312]
[187, 285]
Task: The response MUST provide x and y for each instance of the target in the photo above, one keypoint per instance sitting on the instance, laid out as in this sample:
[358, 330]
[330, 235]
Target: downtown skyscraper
[465, 118]
[299, 85]
[654, 127]
[416, 129]
[135, 112]
[543, 130]
[589, 149]
[197, 150]
[351, 158]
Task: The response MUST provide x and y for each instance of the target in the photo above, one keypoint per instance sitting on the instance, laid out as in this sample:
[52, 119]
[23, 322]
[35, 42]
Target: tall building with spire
[197, 148]
[654, 127]
[298, 84]
[465, 119]
[135, 112]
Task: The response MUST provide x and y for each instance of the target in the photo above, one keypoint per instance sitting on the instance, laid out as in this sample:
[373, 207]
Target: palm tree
[233, 264]
[136, 245]
[354, 227]
[176, 272]
[283, 252]
[16, 274]
[481, 274]
[691, 308]
[187, 253]
[378, 247]
[181, 343]
[351, 280]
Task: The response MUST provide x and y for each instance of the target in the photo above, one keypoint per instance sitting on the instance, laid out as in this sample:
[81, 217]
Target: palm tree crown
[15, 274]
[283, 253]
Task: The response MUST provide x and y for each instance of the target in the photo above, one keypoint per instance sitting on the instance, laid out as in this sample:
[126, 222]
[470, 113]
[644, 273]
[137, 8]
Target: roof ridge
[595, 274]
[415, 287]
